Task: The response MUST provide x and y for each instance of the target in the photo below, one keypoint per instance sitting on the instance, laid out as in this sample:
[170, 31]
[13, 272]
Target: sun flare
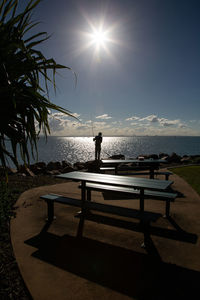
[99, 37]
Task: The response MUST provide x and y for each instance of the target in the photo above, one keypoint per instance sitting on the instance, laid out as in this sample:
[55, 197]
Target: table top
[126, 161]
[135, 182]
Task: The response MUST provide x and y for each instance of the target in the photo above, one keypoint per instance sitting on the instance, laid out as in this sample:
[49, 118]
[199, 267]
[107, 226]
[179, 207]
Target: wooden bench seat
[165, 173]
[107, 169]
[90, 205]
[148, 194]
[51, 198]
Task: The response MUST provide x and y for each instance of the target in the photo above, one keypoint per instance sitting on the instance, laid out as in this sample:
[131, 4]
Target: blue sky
[142, 79]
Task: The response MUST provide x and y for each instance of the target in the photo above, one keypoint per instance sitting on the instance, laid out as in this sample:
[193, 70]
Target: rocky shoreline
[56, 167]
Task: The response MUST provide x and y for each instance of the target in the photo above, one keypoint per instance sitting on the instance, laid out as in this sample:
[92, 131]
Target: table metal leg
[151, 173]
[50, 211]
[167, 209]
[142, 200]
[142, 223]
[116, 170]
[82, 215]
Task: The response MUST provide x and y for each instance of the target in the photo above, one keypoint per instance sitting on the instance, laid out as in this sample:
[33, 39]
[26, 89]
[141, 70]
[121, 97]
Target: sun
[99, 37]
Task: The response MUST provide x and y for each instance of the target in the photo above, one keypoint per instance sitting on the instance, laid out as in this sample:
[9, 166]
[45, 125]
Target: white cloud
[75, 115]
[136, 124]
[104, 117]
[151, 118]
[132, 118]
[165, 122]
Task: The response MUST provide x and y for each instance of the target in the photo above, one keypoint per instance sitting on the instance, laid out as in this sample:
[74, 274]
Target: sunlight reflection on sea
[75, 149]
[81, 149]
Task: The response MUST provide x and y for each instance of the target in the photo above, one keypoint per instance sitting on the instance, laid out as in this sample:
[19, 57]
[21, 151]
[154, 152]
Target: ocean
[81, 149]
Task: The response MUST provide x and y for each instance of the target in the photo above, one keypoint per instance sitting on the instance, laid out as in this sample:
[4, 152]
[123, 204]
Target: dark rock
[54, 166]
[67, 169]
[79, 165]
[53, 172]
[93, 166]
[40, 164]
[163, 155]
[25, 170]
[153, 156]
[174, 158]
[117, 156]
[66, 164]
[195, 159]
[36, 170]
[186, 159]
[165, 158]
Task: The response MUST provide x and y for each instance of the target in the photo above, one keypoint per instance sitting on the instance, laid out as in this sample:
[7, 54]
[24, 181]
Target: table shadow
[128, 272]
[138, 275]
[175, 234]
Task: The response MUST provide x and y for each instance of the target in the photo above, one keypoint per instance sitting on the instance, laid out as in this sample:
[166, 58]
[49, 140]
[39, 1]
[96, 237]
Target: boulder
[117, 156]
[66, 164]
[67, 169]
[153, 156]
[79, 165]
[40, 164]
[53, 172]
[186, 159]
[163, 155]
[54, 166]
[174, 158]
[38, 168]
[25, 170]
[93, 166]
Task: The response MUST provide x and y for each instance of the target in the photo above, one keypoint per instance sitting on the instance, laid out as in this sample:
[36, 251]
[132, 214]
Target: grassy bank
[191, 174]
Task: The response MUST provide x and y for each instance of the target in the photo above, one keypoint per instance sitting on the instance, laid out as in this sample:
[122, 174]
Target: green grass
[191, 174]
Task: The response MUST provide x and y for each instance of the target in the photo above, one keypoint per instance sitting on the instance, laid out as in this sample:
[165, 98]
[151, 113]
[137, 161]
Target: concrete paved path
[108, 263]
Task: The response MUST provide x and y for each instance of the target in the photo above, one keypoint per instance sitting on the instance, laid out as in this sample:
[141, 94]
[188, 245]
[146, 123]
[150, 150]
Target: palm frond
[25, 103]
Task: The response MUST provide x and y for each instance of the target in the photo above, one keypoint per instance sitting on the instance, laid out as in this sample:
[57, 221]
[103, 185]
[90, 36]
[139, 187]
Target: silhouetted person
[98, 140]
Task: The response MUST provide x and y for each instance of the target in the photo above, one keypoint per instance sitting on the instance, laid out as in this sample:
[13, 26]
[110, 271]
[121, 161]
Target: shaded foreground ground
[108, 262]
[11, 282]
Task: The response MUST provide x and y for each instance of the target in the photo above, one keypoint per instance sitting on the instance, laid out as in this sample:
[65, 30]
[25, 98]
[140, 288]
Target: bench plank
[165, 173]
[107, 168]
[111, 209]
[148, 194]
[61, 199]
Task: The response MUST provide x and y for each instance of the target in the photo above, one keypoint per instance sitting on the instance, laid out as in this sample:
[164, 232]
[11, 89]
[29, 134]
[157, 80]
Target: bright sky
[137, 63]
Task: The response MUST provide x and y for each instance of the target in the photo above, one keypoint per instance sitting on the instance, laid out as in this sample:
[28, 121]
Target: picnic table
[102, 182]
[116, 180]
[151, 164]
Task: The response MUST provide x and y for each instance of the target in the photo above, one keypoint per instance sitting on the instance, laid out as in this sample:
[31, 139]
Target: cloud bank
[62, 125]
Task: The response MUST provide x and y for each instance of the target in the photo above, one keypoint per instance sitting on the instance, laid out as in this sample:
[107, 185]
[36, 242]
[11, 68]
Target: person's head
[100, 134]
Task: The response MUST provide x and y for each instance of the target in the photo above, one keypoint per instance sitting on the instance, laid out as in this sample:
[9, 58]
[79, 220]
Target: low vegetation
[191, 174]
